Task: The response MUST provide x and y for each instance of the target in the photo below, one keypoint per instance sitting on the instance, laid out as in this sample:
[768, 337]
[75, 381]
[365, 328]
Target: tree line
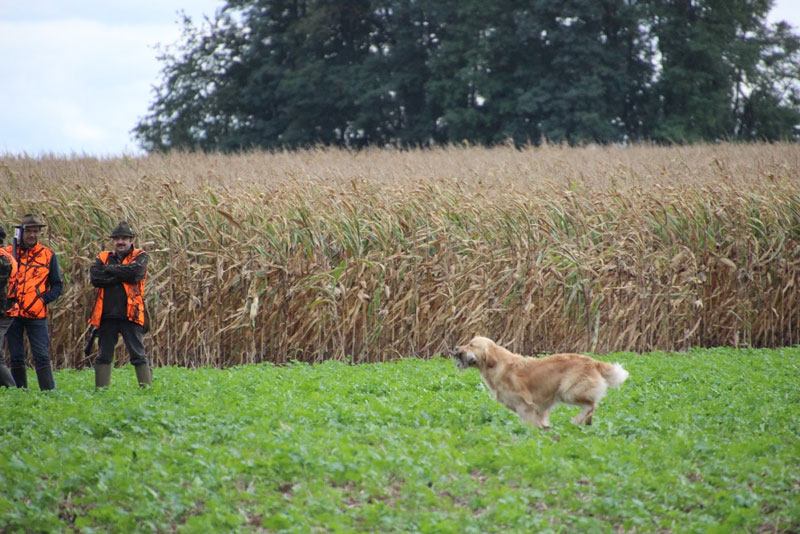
[353, 73]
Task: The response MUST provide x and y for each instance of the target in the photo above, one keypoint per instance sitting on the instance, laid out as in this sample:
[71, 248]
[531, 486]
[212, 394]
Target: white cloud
[77, 81]
[788, 10]
[116, 12]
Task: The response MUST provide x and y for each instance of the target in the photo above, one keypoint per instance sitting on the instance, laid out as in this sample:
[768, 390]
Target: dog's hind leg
[584, 417]
[587, 396]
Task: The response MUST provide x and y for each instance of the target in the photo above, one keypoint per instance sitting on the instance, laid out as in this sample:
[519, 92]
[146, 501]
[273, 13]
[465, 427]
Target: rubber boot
[102, 375]
[20, 375]
[144, 375]
[45, 377]
[5, 377]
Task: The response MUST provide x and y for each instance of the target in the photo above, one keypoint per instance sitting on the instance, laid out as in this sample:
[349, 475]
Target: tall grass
[376, 255]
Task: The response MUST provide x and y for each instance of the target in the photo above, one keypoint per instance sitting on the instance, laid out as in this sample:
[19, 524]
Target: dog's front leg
[545, 418]
[534, 417]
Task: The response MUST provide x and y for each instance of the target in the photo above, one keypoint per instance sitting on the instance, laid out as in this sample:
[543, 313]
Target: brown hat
[29, 219]
[123, 229]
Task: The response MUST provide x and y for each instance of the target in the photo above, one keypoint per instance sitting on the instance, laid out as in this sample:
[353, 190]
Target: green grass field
[705, 441]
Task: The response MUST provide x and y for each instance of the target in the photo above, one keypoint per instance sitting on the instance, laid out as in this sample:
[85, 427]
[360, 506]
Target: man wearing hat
[119, 276]
[8, 277]
[38, 284]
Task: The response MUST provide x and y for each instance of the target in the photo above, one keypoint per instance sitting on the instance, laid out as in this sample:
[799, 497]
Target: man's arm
[130, 273]
[98, 276]
[6, 282]
[54, 279]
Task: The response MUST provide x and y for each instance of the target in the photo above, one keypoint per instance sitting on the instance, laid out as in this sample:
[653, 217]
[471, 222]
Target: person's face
[122, 244]
[30, 235]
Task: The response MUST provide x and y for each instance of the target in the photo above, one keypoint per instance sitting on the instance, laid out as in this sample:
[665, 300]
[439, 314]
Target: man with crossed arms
[119, 276]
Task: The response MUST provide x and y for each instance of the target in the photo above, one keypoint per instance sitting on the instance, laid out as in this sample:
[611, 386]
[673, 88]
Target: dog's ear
[490, 355]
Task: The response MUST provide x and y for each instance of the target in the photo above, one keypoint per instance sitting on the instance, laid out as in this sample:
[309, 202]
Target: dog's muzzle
[463, 358]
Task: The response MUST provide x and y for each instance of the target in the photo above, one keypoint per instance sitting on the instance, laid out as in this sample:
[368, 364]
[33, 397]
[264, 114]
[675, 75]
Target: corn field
[378, 255]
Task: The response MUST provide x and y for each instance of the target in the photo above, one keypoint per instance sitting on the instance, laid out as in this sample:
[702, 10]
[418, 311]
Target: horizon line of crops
[543, 250]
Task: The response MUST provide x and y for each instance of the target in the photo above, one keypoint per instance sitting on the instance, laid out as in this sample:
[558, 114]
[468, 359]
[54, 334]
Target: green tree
[577, 70]
[352, 73]
[190, 109]
[264, 74]
[723, 73]
[592, 81]
[768, 103]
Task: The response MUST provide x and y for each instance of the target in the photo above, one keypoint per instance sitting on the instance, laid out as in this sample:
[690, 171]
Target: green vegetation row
[322, 255]
[699, 442]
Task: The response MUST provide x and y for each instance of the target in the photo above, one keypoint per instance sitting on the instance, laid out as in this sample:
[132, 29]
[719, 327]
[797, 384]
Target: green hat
[29, 219]
[123, 229]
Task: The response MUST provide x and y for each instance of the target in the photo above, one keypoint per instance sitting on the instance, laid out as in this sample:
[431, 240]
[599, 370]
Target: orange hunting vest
[33, 270]
[135, 293]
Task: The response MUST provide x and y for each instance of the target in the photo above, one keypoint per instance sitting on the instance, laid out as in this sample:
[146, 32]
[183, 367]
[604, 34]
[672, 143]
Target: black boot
[144, 375]
[102, 375]
[20, 375]
[5, 377]
[45, 376]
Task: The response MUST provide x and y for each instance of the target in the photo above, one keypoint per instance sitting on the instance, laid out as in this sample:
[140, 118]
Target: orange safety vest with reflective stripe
[12, 285]
[32, 280]
[135, 293]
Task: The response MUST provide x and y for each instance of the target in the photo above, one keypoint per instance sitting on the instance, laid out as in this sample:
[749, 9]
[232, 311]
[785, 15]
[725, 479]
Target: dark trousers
[38, 336]
[132, 335]
[5, 375]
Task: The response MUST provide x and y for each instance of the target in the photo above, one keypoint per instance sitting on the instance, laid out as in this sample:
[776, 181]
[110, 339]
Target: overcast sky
[76, 76]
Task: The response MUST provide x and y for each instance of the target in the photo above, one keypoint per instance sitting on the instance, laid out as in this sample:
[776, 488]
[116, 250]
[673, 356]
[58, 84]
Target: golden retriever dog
[530, 387]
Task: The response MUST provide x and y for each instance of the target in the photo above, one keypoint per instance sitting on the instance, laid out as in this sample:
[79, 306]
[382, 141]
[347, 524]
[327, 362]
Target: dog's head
[476, 353]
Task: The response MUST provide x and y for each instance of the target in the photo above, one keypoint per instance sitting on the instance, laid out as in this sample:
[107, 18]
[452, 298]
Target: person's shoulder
[38, 247]
[52, 253]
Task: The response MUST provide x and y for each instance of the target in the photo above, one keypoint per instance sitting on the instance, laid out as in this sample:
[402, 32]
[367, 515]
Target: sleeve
[55, 281]
[6, 282]
[98, 276]
[129, 273]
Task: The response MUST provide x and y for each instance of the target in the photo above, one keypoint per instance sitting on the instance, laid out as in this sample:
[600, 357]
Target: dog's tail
[614, 374]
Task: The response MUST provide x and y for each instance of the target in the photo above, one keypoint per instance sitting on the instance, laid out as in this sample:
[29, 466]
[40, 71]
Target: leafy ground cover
[703, 441]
